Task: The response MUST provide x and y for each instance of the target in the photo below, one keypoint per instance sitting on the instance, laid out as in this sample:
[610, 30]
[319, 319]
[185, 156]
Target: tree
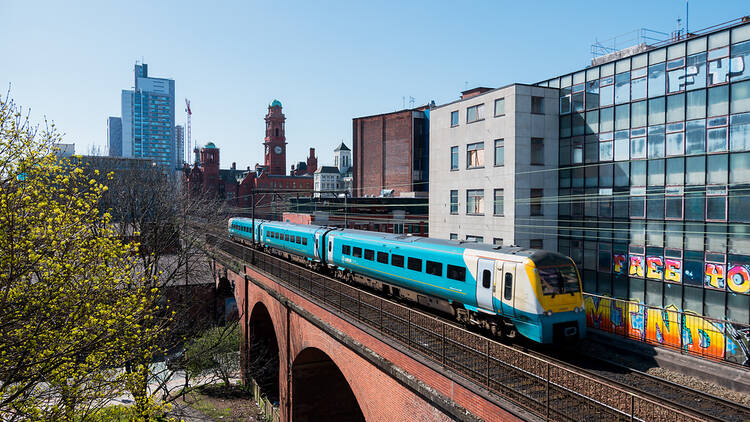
[214, 354]
[74, 306]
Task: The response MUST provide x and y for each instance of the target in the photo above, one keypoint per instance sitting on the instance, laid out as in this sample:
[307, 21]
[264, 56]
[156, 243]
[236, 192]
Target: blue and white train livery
[506, 290]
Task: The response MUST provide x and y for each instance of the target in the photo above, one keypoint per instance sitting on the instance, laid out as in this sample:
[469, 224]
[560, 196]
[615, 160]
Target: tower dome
[276, 103]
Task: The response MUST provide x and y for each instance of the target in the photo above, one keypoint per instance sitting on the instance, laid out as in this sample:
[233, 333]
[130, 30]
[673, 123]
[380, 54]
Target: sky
[326, 61]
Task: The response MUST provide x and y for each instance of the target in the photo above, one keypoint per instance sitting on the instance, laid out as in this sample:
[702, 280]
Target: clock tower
[275, 141]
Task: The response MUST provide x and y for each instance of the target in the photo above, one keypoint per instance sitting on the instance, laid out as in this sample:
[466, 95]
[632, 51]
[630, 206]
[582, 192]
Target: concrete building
[326, 182]
[390, 153]
[489, 154]
[114, 136]
[148, 117]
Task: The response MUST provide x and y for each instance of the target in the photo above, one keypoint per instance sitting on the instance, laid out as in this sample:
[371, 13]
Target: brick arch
[320, 391]
[263, 354]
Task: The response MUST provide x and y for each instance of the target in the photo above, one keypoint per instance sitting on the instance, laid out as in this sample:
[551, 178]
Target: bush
[214, 354]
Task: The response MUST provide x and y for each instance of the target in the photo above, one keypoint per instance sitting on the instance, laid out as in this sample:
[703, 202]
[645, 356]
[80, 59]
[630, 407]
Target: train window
[486, 279]
[383, 257]
[508, 293]
[456, 273]
[414, 264]
[369, 254]
[434, 268]
[297, 239]
[357, 252]
[304, 241]
[397, 260]
[286, 237]
[346, 249]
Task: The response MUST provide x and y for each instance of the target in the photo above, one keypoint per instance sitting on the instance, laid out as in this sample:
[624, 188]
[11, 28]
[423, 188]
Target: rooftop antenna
[687, 17]
[403, 103]
[411, 102]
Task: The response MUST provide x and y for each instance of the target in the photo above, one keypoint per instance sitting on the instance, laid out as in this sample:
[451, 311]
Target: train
[507, 290]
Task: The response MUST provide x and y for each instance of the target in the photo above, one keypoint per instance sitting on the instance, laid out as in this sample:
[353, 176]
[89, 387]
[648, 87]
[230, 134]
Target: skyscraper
[148, 129]
[114, 136]
[179, 145]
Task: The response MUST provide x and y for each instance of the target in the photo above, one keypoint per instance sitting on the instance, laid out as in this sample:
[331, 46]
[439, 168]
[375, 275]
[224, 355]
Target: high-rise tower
[275, 140]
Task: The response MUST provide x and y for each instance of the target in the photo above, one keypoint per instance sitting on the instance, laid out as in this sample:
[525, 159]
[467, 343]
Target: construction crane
[189, 113]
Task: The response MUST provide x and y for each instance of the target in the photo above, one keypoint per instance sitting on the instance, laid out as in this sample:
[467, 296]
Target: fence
[669, 327]
[549, 390]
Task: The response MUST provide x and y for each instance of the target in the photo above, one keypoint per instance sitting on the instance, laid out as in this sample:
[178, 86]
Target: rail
[546, 389]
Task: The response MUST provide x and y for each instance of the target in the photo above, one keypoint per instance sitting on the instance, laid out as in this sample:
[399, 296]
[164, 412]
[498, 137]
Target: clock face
[277, 149]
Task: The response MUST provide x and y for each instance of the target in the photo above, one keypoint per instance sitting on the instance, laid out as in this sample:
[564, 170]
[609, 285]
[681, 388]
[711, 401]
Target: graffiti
[670, 327]
[619, 261]
[654, 267]
[673, 270]
[636, 266]
[714, 276]
[738, 278]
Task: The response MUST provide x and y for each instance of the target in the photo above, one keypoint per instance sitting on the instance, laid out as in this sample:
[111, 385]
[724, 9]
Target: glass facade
[654, 177]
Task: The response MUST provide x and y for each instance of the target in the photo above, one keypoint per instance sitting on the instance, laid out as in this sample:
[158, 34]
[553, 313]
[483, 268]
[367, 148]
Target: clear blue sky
[327, 62]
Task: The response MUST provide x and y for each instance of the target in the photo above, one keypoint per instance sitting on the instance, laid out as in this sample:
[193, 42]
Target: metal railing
[688, 332]
[546, 389]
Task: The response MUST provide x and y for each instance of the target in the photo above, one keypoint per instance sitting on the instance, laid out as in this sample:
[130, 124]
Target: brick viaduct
[331, 369]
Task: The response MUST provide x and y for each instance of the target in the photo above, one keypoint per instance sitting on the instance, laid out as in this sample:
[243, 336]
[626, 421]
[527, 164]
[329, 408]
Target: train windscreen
[557, 275]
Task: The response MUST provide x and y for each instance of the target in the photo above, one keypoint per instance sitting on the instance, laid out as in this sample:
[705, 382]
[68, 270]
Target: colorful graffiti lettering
[670, 327]
[673, 270]
[619, 262]
[738, 279]
[714, 276]
[654, 267]
[636, 266]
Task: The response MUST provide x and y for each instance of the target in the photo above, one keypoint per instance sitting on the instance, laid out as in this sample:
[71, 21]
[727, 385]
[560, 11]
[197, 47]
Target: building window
[536, 244]
[475, 155]
[472, 238]
[499, 152]
[499, 200]
[454, 118]
[454, 158]
[475, 201]
[497, 241]
[537, 151]
[453, 236]
[535, 202]
[500, 107]
[474, 113]
[454, 202]
[537, 105]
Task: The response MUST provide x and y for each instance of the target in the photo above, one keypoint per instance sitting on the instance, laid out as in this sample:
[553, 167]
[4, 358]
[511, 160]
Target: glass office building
[654, 175]
[148, 117]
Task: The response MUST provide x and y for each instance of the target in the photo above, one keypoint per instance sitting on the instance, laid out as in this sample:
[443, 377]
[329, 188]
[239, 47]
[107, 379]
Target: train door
[508, 288]
[485, 282]
[317, 245]
[330, 248]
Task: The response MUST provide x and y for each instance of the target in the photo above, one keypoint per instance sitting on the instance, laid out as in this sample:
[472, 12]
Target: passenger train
[506, 290]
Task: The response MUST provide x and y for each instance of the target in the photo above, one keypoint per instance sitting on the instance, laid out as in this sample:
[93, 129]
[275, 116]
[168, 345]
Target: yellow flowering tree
[74, 308]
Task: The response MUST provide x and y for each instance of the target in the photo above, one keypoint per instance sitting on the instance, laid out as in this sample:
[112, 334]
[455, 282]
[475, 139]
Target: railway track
[566, 388]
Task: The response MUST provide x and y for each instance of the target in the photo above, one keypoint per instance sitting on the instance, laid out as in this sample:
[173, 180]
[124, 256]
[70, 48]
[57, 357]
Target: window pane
[741, 95]
[475, 201]
[740, 169]
[739, 132]
[717, 169]
[622, 117]
[499, 106]
[695, 204]
[638, 118]
[675, 143]
[454, 158]
[740, 62]
[475, 155]
[696, 104]
[454, 202]
[592, 95]
[656, 111]
[638, 173]
[537, 151]
[718, 101]
[499, 152]
[695, 137]
[676, 77]
[638, 88]
[656, 80]
[499, 202]
[675, 171]
[656, 141]
[606, 118]
[454, 118]
[718, 71]
[606, 95]
[592, 122]
[656, 173]
[676, 108]
[622, 145]
[622, 88]
[696, 170]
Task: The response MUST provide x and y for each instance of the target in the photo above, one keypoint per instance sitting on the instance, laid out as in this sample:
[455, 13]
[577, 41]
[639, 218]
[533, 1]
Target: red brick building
[269, 182]
[390, 153]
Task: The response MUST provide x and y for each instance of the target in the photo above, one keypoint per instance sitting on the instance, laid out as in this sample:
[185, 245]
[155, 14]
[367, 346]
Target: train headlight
[548, 313]
[577, 309]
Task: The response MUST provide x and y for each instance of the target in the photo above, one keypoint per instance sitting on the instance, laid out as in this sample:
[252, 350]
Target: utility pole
[252, 199]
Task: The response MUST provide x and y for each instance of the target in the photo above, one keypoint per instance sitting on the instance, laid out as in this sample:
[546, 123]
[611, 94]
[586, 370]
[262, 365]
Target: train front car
[554, 312]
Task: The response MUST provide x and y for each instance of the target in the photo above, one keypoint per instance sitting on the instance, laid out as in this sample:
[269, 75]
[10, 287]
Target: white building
[326, 180]
[493, 161]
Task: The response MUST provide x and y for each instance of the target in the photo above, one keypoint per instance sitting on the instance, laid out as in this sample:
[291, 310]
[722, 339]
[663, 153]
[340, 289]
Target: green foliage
[215, 353]
[72, 303]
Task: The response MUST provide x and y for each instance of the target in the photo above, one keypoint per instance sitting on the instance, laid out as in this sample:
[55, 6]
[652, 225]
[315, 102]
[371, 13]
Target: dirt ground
[216, 404]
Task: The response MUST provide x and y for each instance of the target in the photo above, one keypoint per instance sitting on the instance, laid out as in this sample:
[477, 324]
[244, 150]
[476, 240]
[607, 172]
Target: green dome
[210, 145]
[276, 103]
